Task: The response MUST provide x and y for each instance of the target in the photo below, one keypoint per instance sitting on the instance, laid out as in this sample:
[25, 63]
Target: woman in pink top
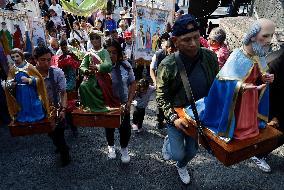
[216, 43]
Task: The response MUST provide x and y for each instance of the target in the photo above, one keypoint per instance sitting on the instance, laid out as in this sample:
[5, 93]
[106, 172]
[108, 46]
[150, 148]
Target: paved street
[30, 163]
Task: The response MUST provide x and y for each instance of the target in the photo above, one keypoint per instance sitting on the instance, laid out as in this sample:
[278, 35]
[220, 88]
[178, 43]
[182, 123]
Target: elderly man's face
[189, 43]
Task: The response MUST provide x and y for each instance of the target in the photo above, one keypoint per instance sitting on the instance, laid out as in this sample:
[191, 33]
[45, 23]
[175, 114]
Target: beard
[259, 50]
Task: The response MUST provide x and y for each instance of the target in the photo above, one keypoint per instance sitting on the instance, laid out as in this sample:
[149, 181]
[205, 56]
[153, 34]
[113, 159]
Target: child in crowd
[216, 43]
[142, 97]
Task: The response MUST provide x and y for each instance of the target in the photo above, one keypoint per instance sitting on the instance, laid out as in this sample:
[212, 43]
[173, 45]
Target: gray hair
[252, 32]
[218, 34]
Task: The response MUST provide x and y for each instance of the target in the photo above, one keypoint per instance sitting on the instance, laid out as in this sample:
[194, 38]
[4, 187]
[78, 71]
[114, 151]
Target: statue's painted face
[17, 58]
[261, 43]
[265, 35]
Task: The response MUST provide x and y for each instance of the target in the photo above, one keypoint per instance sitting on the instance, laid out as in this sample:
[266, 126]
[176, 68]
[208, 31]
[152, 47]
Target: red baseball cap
[127, 34]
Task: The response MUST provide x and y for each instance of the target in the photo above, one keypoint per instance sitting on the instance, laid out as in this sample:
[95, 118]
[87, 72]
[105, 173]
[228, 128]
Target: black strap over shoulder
[78, 34]
[190, 98]
[53, 84]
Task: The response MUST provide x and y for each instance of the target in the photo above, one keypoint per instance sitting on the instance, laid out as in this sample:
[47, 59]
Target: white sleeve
[59, 10]
[71, 35]
[153, 64]
[89, 45]
[85, 36]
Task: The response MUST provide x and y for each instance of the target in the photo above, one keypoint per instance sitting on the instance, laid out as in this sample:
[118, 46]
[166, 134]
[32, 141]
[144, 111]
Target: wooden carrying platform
[237, 150]
[26, 129]
[72, 95]
[109, 119]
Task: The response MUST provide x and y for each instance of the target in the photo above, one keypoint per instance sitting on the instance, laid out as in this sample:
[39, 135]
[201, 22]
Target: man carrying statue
[235, 106]
[240, 91]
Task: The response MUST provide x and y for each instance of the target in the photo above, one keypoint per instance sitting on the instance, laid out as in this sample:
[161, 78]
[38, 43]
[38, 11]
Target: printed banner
[150, 24]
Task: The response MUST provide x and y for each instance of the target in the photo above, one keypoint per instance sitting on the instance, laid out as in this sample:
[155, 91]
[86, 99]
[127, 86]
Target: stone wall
[235, 27]
[272, 9]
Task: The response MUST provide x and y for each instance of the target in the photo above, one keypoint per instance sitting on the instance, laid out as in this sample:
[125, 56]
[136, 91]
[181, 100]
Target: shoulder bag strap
[53, 84]
[78, 34]
[190, 97]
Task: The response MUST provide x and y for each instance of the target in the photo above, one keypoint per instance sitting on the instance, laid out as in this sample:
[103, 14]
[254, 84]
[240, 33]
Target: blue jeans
[181, 147]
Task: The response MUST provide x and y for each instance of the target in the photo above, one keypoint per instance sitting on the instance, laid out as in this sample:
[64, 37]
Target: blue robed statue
[237, 104]
[25, 91]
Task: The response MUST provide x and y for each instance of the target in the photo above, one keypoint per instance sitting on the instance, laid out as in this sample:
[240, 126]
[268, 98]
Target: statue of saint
[25, 91]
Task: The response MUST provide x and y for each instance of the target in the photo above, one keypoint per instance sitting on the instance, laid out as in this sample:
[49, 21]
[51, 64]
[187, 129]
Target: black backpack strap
[53, 84]
[190, 97]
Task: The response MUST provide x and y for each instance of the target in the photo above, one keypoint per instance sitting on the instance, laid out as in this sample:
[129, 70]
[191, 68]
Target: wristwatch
[173, 117]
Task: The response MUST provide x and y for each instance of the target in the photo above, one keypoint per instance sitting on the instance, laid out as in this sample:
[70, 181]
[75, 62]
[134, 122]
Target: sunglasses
[95, 38]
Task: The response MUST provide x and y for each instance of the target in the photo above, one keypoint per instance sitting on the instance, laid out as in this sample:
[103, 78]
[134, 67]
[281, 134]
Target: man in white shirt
[56, 7]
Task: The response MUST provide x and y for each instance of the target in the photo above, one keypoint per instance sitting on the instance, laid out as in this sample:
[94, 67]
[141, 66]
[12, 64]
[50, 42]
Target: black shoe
[65, 159]
[75, 132]
[56, 151]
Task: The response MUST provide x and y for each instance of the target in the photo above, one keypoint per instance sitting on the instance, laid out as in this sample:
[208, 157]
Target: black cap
[180, 26]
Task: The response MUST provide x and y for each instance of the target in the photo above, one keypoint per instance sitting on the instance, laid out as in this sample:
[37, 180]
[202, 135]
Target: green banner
[86, 8]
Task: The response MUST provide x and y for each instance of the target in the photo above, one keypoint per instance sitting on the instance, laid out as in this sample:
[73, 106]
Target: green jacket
[170, 90]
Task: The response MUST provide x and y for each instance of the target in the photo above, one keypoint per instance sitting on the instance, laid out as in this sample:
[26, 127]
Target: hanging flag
[86, 8]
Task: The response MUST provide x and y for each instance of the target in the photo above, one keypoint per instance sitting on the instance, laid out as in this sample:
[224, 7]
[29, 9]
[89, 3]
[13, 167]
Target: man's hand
[180, 123]
[274, 122]
[127, 108]
[61, 115]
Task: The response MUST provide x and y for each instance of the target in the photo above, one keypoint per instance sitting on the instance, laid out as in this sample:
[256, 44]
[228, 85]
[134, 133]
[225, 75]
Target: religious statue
[25, 91]
[141, 38]
[96, 91]
[237, 103]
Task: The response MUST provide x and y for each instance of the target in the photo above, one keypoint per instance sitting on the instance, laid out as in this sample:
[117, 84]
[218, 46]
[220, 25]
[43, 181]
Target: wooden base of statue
[27, 129]
[111, 119]
[237, 150]
[72, 95]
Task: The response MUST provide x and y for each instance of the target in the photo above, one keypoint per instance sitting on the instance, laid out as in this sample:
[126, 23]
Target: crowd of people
[94, 57]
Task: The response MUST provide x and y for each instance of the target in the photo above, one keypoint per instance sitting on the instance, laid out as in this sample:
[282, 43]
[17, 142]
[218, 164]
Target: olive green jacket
[170, 90]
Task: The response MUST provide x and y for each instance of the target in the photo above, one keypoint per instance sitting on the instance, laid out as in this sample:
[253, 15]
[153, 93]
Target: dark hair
[180, 11]
[94, 35]
[142, 83]
[40, 51]
[77, 23]
[74, 41]
[52, 30]
[27, 55]
[170, 43]
[107, 33]
[46, 14]
[165, 36]
[113, 43]
[114, 31]
[63, 43]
